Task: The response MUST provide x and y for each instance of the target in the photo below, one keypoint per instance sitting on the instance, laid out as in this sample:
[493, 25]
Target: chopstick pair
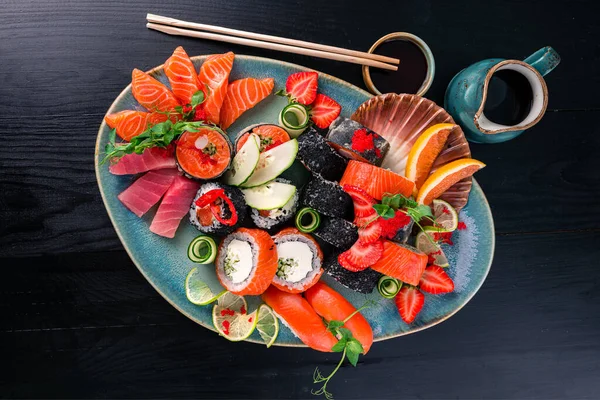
[178, 27]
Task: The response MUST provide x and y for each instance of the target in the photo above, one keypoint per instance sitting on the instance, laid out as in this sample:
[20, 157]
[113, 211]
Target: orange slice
[446, 176]
[424, 152]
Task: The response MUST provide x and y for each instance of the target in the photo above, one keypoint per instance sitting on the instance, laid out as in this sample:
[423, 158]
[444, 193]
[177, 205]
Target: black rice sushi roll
[328, 198]
[363, 281]
[274, 219]
[337, 232]
[356, 142]
[319, 157]
[218, 209]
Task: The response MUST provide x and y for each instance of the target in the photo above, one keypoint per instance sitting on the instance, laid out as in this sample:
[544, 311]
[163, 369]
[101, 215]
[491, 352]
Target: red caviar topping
[461, 226]
[362, 140]
[250, 319]
[243, 310]
[389, 227]
[226, 326]
[445, 237]
[227, 311]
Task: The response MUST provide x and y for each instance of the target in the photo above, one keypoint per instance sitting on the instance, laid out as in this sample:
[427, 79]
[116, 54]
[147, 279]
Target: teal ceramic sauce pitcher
[467, 95]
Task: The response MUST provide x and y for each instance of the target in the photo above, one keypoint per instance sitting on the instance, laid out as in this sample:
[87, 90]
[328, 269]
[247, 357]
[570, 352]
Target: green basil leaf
[334, 325]
[345, 332]
[355, 346]
[395, 201]
[197, 98]
[390, 213]
[352, 357]
[339, 346]
[381, 209]
[386, 200]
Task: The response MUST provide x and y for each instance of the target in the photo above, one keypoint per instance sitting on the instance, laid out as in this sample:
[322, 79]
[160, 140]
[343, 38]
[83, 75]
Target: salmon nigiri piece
[331, 305]
[174, 206]
[152, 94]
[375, 181]
[214, 73]
[301, 318]
[402, 262]
[182, 76]
[130, 123]
[242, 95]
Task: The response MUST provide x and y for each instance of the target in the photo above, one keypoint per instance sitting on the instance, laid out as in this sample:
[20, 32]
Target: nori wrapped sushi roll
[337, 232]
[363, 281]
[356, 142]
[272, 220]
[328, 198]
[218, 217]
[318, 157]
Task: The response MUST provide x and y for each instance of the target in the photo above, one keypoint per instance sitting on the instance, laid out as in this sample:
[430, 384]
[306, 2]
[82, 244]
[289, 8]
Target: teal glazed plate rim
[164, 263]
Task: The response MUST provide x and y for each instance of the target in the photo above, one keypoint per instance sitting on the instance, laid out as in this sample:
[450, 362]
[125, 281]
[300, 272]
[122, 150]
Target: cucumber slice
[202, 250]
[244, 162]
[269, 196]
[307, 220]
[272, 163]
[294, 119]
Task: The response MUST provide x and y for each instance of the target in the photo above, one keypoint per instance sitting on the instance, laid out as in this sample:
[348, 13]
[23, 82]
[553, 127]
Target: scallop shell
[400, 119]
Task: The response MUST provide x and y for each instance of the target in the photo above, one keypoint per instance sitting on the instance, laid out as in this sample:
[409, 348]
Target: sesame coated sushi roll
[362, 281]
[218, 209]
[356, 142]
[272, 219]
[327, 198]
[337, 232]
[246, 261]
[319, 157]
[299, 261]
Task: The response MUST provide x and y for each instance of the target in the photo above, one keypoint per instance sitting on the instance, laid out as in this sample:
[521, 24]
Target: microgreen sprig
[347, 344]
[159, 135]
[390, 203]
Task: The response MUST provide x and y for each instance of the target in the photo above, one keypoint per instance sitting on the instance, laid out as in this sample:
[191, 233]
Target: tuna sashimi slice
[151, 159]
[174, 206]
[147, 191]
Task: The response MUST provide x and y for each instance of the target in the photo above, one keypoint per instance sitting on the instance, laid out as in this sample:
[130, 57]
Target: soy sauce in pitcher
[509, 98]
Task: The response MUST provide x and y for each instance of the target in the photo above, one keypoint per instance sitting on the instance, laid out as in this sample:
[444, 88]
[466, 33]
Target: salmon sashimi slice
[151, 159]
[182, 76]
[242, 95]
[130, 123]
[147, 190]
[205, 154]
[376, 181]
[152, 94]
[332, 306]
[262, 256]
[270, 136]
[402, 262]
[301, 318]
[214, 73]
[174, 206]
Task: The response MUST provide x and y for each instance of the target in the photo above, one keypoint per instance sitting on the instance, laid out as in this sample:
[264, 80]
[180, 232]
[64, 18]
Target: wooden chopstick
[159, 19]
[270, 45]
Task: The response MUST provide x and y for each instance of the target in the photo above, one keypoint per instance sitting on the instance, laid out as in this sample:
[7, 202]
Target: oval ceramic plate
[164, 262]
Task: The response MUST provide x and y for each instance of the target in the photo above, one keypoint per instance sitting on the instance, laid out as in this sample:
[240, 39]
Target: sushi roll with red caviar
[299, 261]
[356, 142]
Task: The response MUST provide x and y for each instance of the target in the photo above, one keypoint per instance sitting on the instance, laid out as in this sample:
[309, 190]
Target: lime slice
[446, 217]
[268, 324]
[197, 291]
[427, 245]
[231, 319]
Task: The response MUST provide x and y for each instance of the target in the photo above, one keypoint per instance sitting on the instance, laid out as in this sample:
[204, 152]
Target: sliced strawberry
[363, 203]
[302, 86]
[324, 111]
[409, 301]
[343, 261]
[436, 281]
[361, 222]
[361, 256]
[370, 233]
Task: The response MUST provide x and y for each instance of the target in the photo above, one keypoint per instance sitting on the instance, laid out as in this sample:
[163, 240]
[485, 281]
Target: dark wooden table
[79, 320]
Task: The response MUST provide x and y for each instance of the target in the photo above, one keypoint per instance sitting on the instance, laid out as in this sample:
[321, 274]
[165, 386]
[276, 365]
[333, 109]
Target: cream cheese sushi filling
[238, 260]
[295, 261]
